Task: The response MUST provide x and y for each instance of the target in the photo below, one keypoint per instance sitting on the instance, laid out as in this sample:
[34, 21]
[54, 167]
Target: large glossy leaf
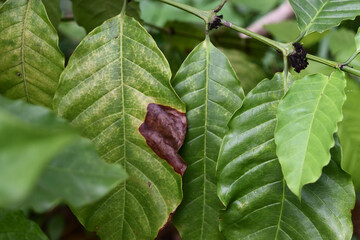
[53, 11]
[252, 187]
[44, 161]
[307, 119]
[91, 14]
[31, 61]
[115, 72]
[14, 225]
[349, 132]
[77, 175]
[208, 85]
[321, 15]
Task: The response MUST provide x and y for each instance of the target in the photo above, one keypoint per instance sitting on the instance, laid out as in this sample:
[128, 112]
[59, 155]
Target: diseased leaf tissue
[164, 130]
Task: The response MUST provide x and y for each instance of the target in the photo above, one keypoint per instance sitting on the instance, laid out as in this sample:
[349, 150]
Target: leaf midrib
[121, 24]
[311, 126]
[207, 63]
[316, 15]
[23, 50]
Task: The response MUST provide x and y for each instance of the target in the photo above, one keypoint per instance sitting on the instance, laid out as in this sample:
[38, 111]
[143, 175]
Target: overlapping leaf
[14, 225]
[115, 72]
[252, 187]
[77, 175]
[307, 119]
[53, 11]
[30, 60]
[349, 132]
[208, 85]
[321, 15]
[91, 14]
[44, 161]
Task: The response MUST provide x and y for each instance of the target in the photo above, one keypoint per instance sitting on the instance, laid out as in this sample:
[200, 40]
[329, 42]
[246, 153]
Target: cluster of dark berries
[298, 58]
[216, 23]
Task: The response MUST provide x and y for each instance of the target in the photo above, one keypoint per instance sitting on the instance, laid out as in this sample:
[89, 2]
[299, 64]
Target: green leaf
[252, 187]
[76, 175]
[115, 72]
[91, 14]
[261, 6]
[250, 73]
[14, 225]
[44, 161]
[53, 11]
[349, 132]
[208, 85]
[321, 15]
[307, 119]
[30, 137]
[31, 61]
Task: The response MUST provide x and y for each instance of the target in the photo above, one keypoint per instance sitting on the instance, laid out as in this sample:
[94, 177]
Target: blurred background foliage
[177, 33]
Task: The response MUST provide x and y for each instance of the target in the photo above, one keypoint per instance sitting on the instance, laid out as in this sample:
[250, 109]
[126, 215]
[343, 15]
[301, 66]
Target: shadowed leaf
[91, 14]
[14, 225]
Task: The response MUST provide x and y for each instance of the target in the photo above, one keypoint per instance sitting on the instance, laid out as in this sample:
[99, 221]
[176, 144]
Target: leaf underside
[252, 187]
[321, 15]
[208, 85]
[111, 78]
[31, 61]
[307, 119]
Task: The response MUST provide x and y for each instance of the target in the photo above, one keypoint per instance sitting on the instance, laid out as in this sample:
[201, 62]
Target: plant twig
[334, 64]
[220, 6]
[205, 15]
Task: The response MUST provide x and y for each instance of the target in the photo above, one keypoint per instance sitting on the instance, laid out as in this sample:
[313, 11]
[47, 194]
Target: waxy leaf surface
[208, 85]
[349, 132]
[14, 225]
[111, 78]
[252, 187]
[321, 15]
[30, 60]
[307, 119]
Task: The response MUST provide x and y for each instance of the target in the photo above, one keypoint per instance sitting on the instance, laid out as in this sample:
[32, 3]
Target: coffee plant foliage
[142, 116]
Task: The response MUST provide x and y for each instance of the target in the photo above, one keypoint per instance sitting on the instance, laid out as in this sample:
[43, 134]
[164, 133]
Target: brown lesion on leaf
[164, 130]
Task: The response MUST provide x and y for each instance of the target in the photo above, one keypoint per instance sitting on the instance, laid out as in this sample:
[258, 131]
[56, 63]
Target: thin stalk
[204, 15]
[285, 72]
[220, 6]
[286, 49]
[334, 64]
[351, 58]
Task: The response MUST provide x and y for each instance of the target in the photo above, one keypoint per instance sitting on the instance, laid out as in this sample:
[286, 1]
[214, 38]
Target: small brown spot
[97, 227]
[164, 130]
[149, 184]
[18, 74]
[116, 37]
